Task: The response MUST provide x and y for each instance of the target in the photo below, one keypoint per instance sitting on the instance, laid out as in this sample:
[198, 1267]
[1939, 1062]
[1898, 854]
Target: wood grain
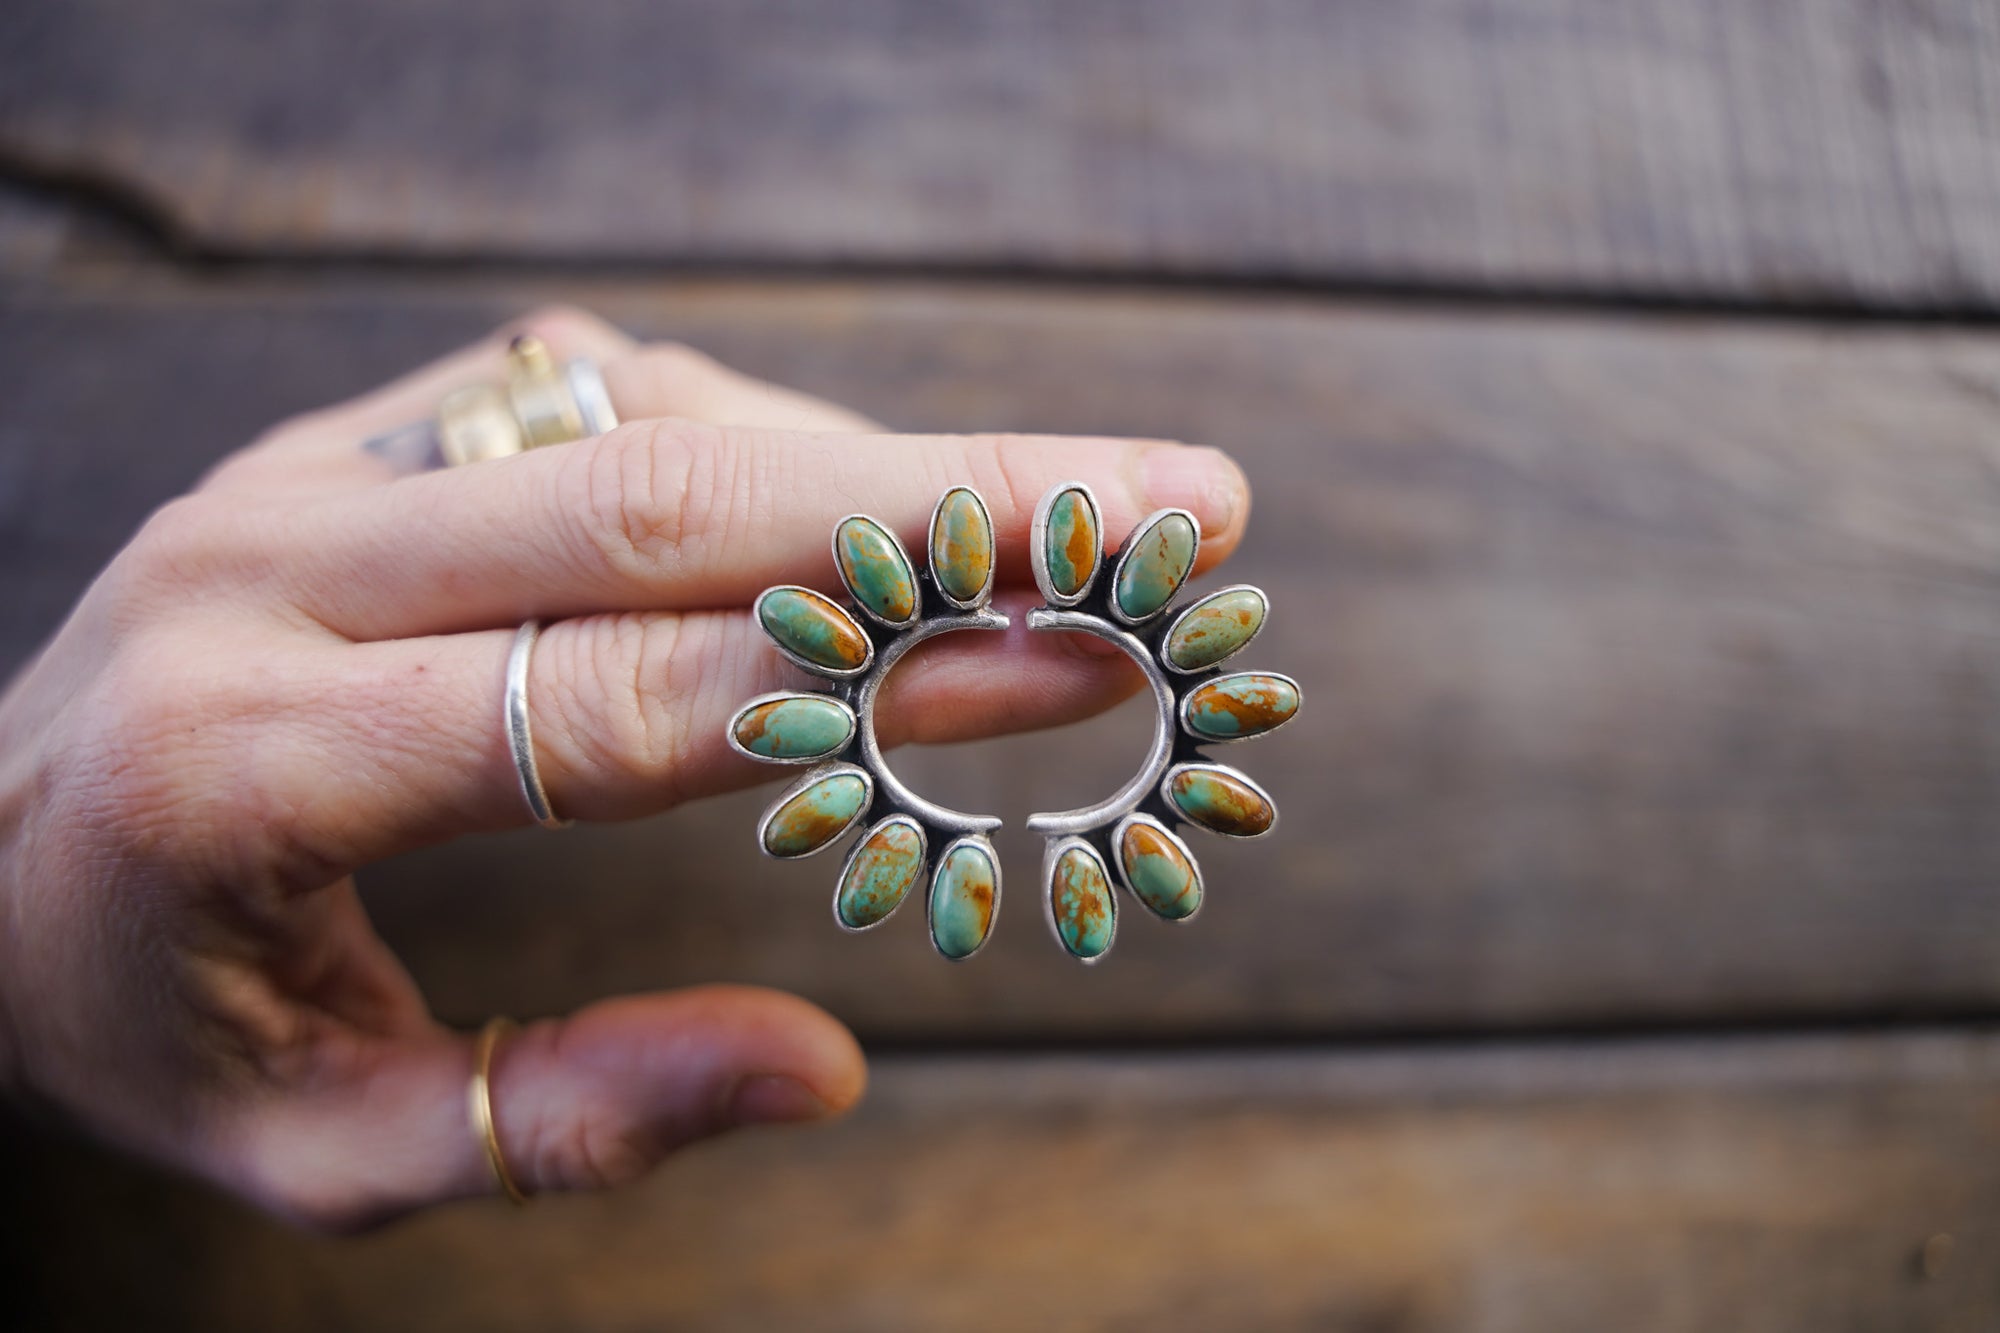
[1651, 663]
[1841, 151]
[1759, 1186]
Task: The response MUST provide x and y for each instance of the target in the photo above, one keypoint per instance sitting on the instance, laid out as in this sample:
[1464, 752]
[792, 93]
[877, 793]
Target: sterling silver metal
[940, 828]
[793, 789]
[520, 734]
[1092, 609]
[1144, 798]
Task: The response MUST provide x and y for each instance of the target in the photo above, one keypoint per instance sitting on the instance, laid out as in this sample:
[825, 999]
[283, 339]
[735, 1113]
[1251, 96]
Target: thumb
[584, 1102]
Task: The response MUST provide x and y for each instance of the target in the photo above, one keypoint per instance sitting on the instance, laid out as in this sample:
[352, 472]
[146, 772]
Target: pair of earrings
[908, 838]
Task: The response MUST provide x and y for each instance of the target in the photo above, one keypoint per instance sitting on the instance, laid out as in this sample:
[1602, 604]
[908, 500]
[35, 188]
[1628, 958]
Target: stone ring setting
[908, 838]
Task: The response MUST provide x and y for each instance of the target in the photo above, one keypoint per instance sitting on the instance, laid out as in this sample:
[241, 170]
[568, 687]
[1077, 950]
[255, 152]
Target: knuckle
[587, 1151]
[649, 491]
[614, 691]
[193, 541]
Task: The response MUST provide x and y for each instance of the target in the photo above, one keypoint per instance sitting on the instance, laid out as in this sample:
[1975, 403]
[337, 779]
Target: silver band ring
[519, 735]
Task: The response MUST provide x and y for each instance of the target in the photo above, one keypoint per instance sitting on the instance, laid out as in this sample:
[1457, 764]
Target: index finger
[676, 515]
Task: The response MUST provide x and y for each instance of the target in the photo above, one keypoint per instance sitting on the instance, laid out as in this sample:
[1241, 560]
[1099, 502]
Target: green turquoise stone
[814, 628]
[1080, 897]
[804, 726]
[962, 545]
[876, 570]
[1154, 564]
[1159, 870]
[881, 871]
[963, 897]
[1072, 543]
[816, 816]
[1219, 800]
[1231, 708]
[1215, 627]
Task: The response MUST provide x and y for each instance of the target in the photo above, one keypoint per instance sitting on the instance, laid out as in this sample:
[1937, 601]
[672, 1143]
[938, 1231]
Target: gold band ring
[479, 1099]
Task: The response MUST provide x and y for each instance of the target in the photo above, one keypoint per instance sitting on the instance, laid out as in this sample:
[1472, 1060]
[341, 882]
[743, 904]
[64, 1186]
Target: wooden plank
[1760, 1186]
[1818, 150]
[1652, 662]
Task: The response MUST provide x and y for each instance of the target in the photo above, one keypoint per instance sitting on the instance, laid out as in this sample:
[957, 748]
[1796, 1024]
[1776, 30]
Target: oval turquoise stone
[816, 816]
[803, 726]
[1231, 708]
[1161, 873]
[1219, 800]
[1080, 898]
[1215, 627]
[875, 570]
[962, 900]
[1071, 545]
[814, 628]
[1154, 564]
[962, 545]
[880, 872]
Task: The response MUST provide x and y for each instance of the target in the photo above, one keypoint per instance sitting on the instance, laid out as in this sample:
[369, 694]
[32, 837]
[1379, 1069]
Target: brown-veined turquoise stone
[1071, 543]
[963, 897]
[875, 569]
[884, 866]
[1218, 799]
[1232, 708]
[1215, 627]
[800, 726]
[816, 816]
[961, 545]
[1160, 872]
[813, 628]
[1080, 898]
[1154, 564]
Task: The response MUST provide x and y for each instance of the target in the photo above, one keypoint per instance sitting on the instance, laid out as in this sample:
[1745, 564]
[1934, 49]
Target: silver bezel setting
[1203, 738]
[985, 593]
[782, 696]
[1131, 547]
[985, 847]
[1038, 546]
[916, 580]
[806, 663]
[1052, 856]
[804, 783]
[1209, 765]
[847, 864]
[1173, 626]
[1125, 880]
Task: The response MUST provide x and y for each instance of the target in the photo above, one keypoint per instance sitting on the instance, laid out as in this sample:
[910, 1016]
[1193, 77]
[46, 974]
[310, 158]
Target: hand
[296, 670]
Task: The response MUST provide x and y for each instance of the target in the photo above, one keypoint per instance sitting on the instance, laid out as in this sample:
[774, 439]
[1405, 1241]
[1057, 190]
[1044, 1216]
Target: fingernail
[774, 1099]
[1206, 482]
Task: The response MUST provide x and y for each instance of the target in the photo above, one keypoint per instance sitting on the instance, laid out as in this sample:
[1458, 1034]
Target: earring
[1196, 704]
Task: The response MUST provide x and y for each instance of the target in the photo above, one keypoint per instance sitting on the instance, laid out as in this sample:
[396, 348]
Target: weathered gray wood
[1651, 663]
[1837, 150]
[1757, 1186]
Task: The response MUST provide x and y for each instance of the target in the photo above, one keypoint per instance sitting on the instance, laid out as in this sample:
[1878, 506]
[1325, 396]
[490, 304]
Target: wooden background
[1622, 393]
